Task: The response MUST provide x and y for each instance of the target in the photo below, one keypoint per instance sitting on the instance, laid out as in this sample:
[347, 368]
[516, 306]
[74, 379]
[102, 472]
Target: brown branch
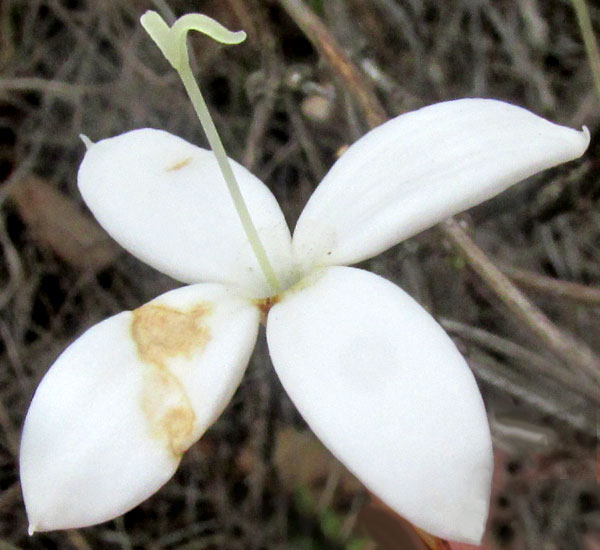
[572, 352]
[534, 361]
[55, 87]
[564, 406]
[555, 287]
[335, 56]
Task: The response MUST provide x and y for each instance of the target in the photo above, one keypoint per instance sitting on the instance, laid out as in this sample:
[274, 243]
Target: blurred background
[259, 479]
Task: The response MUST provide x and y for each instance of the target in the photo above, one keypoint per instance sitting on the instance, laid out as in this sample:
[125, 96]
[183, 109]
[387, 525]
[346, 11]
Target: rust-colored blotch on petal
[180, 164]
[168, 410]
[162, 333]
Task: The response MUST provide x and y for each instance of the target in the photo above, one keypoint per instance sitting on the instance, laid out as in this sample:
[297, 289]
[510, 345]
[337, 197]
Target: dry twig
[344, 68]
[567, 290]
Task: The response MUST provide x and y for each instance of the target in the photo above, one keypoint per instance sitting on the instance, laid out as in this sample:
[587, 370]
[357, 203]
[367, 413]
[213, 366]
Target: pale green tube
[172, 43]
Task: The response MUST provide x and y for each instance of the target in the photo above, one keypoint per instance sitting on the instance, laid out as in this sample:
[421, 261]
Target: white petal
[383, 386]
[421, 168]
[111, 418]
[166, 201]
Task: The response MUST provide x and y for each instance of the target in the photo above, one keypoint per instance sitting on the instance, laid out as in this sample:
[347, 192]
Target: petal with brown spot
[112, 416]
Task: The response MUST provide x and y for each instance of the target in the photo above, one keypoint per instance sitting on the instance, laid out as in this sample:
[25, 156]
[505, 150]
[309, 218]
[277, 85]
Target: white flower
[373, 374]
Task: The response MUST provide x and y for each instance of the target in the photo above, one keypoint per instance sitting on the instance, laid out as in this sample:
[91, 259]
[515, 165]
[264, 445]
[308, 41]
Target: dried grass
[76, 66]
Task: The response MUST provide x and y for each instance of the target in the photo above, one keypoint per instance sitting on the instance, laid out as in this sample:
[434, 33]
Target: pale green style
[173, 44]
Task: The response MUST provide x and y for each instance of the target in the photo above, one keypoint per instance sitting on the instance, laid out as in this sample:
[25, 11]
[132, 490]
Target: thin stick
[574, 353]
[57, 87]
[328, 47]
[533, 360]
[573, 412]
[589, 40]
[575, 292]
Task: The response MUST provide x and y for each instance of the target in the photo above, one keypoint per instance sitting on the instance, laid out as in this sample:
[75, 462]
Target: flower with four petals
[371, 372]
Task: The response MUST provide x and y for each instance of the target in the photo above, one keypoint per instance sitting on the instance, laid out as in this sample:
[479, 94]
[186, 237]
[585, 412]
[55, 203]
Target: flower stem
[195, 95]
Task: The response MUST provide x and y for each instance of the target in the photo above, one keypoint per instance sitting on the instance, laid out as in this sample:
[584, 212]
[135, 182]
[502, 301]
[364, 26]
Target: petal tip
[87, 141]
[472, 525]
[32, 529]
[580, 141]
[586, 136]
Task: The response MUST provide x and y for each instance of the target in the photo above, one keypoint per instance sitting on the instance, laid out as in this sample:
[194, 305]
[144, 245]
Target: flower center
[299, 282]
[265, 305]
